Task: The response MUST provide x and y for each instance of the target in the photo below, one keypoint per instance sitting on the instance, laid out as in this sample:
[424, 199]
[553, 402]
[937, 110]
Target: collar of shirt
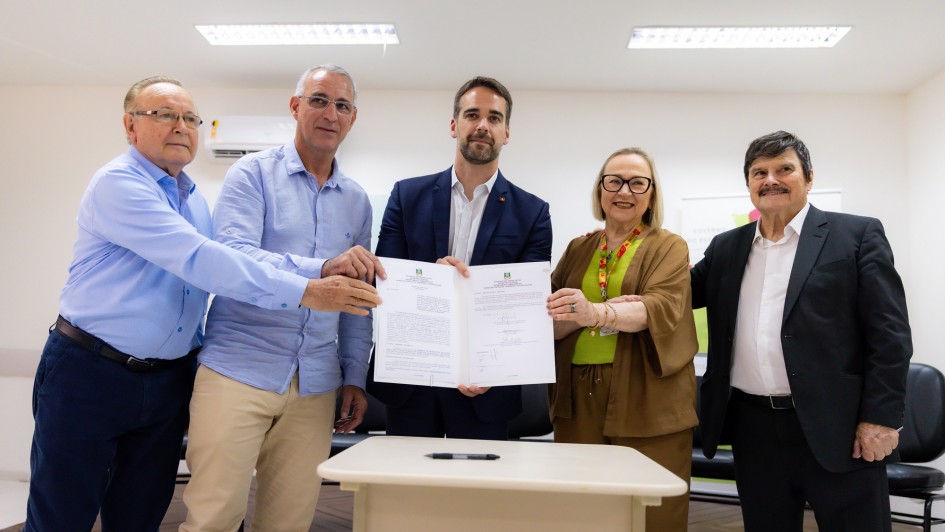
[466, 216]
[793, 227]
[184, 180]
[488, 184]
[182, 184]
[293, 165]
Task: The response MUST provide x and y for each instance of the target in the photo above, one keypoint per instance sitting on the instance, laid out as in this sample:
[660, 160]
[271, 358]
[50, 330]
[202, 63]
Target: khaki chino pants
[235, 428]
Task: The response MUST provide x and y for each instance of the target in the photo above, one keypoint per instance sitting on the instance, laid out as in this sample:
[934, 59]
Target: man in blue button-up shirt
[115, 378]
[266, 388]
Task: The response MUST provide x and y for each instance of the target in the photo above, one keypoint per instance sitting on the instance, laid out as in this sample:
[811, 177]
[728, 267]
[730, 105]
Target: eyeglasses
[637, 185]
[320, 102]
[170, 116]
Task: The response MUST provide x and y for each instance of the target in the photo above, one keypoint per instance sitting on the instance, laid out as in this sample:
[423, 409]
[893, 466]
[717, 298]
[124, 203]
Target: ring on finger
[572, 308]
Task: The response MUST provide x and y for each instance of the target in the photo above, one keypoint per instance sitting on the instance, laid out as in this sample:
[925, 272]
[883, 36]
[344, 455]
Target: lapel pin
[501, 199]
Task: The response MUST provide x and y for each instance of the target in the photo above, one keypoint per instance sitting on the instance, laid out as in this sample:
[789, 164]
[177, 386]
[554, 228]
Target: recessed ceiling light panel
[289, 34]
[737, 37]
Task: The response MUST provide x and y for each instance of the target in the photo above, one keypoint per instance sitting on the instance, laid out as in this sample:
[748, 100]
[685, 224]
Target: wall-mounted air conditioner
[228, 138]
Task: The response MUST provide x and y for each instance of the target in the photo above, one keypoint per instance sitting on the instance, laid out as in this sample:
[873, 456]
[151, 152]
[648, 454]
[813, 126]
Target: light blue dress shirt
[270, 208]
[144, 263]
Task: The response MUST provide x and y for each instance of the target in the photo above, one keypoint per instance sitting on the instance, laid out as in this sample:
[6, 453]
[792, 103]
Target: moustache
[482, 137]
[773, 188]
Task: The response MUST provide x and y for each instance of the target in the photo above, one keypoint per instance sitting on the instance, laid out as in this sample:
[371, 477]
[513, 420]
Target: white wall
[925, 290]
[56, 137]
[925, 138]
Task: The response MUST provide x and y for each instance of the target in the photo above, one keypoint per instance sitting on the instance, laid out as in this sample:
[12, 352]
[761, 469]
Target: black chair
[922, 439]
[183, 477]
[719, 467]
[534, 420]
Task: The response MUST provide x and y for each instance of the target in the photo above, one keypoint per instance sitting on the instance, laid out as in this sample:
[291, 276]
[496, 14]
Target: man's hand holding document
[437, 328]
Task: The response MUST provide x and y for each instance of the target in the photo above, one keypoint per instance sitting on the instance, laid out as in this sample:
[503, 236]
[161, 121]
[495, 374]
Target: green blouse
[598, 349]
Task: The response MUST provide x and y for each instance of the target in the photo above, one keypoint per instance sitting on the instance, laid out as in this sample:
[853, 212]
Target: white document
[436, 328]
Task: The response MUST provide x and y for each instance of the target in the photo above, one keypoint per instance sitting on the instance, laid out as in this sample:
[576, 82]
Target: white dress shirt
[758, 359]
[466, 216]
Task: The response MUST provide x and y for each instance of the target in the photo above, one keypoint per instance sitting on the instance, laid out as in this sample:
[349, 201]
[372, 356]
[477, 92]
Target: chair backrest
[923, 433]
[534, 420]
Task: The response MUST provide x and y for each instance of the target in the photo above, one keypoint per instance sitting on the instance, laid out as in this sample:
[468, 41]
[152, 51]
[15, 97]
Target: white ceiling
[528, 45]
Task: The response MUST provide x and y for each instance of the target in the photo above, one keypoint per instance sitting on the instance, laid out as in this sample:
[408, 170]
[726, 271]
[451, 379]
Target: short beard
[478, 157]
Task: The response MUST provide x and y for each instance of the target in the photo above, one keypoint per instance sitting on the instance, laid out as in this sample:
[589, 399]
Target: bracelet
[612, 309]
[596, 316]
[597, 324]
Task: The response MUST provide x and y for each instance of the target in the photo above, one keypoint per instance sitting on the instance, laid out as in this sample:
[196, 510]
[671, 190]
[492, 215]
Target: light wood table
[534, 486]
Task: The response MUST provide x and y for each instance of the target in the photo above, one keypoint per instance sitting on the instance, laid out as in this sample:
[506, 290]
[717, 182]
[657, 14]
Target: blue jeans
[106, 440]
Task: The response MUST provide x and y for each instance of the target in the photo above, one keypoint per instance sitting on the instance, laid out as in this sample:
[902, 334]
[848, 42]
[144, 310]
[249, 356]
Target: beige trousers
[590, 387]
[235, 428]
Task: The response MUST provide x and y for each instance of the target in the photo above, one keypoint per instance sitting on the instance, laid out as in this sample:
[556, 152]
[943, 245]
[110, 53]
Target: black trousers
[776, 474]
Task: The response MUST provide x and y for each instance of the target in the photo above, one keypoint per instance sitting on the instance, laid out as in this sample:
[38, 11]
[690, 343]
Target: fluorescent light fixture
[737, 37]
[287, 34]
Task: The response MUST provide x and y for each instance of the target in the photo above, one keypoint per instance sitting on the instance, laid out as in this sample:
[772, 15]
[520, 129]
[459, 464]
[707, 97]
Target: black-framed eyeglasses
[343, 107]
[170, 116]
[637, 185]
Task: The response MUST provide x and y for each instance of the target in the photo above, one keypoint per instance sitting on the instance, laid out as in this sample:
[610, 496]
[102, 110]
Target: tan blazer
[654, 384]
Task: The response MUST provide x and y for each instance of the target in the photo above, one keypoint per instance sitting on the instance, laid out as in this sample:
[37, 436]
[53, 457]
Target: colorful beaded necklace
[604, 270]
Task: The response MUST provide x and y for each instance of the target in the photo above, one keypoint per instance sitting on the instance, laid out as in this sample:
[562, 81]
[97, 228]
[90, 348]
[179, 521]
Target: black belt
[96, 345]
[773, 402]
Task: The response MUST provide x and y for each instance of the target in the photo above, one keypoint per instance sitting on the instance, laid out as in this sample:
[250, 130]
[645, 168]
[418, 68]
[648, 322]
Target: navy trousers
[436, 412]
[107, 440]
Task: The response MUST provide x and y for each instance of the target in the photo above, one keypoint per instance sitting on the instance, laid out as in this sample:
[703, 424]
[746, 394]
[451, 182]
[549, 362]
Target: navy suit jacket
[515, 227]
[845, 332]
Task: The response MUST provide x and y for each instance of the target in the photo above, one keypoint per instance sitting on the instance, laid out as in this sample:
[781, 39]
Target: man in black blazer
[809, 346]
[468, 214]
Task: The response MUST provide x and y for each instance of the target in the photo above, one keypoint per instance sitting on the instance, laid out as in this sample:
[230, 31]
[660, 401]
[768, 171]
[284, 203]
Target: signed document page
[510, 334]
[436, 328]
[417, 324]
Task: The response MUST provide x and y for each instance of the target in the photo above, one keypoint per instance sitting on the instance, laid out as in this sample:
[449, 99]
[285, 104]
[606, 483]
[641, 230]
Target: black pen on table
[462, 456]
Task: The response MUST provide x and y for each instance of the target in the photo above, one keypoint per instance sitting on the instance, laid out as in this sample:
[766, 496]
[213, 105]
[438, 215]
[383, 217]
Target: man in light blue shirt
[114, 381]
[265, 392]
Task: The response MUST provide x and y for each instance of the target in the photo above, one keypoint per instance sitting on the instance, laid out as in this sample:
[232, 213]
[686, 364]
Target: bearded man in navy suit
[469, 214]
[809, 347]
